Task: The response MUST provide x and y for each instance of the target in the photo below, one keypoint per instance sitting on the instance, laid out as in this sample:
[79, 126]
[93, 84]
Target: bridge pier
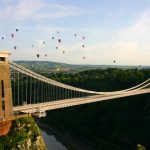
[6, 111]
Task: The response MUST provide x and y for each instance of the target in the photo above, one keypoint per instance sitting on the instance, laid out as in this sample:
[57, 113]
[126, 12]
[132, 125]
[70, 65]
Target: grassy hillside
[50, 67]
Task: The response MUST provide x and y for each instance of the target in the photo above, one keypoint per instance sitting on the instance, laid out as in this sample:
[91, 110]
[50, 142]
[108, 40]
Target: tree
[140, 147]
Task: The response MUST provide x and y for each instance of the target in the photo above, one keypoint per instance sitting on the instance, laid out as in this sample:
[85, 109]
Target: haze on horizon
[113, 30]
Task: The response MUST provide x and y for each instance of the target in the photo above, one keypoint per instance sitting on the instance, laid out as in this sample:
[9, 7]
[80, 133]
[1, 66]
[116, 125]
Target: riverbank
[69, 142]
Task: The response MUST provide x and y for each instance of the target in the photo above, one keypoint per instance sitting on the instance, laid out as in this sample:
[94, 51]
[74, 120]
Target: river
[51, 142]
[54, 140]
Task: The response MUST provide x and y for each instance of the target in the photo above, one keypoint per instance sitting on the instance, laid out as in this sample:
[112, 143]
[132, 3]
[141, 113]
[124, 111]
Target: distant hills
[48, 66]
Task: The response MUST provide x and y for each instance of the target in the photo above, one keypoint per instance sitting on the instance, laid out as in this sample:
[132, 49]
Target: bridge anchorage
[24, 92]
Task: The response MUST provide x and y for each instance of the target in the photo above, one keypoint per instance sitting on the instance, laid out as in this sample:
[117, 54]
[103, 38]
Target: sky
[114, 30]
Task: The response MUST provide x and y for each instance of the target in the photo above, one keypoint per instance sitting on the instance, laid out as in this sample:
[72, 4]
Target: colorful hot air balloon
[12, 35]
[15, 47]
[59, 40]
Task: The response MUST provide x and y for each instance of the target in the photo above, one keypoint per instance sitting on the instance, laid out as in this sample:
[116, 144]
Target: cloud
[115, 14]
[37, 9]
[19, 10]
[129, 46]
[139, 30]
[40, 43]
[57, 11]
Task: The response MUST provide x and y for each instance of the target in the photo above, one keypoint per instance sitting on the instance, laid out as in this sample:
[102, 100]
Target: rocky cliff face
[23, 135]
[4, 127]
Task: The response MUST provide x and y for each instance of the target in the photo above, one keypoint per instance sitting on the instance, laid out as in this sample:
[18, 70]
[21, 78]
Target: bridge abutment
[6, 106]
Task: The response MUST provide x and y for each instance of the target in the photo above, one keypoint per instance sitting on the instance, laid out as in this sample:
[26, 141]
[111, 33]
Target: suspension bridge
[23, 91]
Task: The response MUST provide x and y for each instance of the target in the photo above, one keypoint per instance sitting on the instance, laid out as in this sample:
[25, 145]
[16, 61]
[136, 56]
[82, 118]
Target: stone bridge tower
[6, 107]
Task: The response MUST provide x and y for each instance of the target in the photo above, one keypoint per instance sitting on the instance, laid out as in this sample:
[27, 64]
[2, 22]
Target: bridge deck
[41, 107]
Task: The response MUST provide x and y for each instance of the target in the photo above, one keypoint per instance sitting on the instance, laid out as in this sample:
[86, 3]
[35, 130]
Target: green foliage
[22, 129]
[100, 80]
[116, 124]
[140, 147]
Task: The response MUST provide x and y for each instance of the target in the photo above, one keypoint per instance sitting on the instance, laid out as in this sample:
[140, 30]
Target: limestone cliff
[23, 135]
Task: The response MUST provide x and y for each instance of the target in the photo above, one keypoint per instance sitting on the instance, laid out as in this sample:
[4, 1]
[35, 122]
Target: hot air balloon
[114, 61]
[56, 47]
[15, 47]
[12, 35]
[59, 40]
[45, 55]
[38, 55]
[83, 37]
[57, 32]
[63, 52]
[52, 38]
[43, 42]
[32, 45]
[75, 34]
[83, 45]
[2, 38]
[17, 30]
[83, 57]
